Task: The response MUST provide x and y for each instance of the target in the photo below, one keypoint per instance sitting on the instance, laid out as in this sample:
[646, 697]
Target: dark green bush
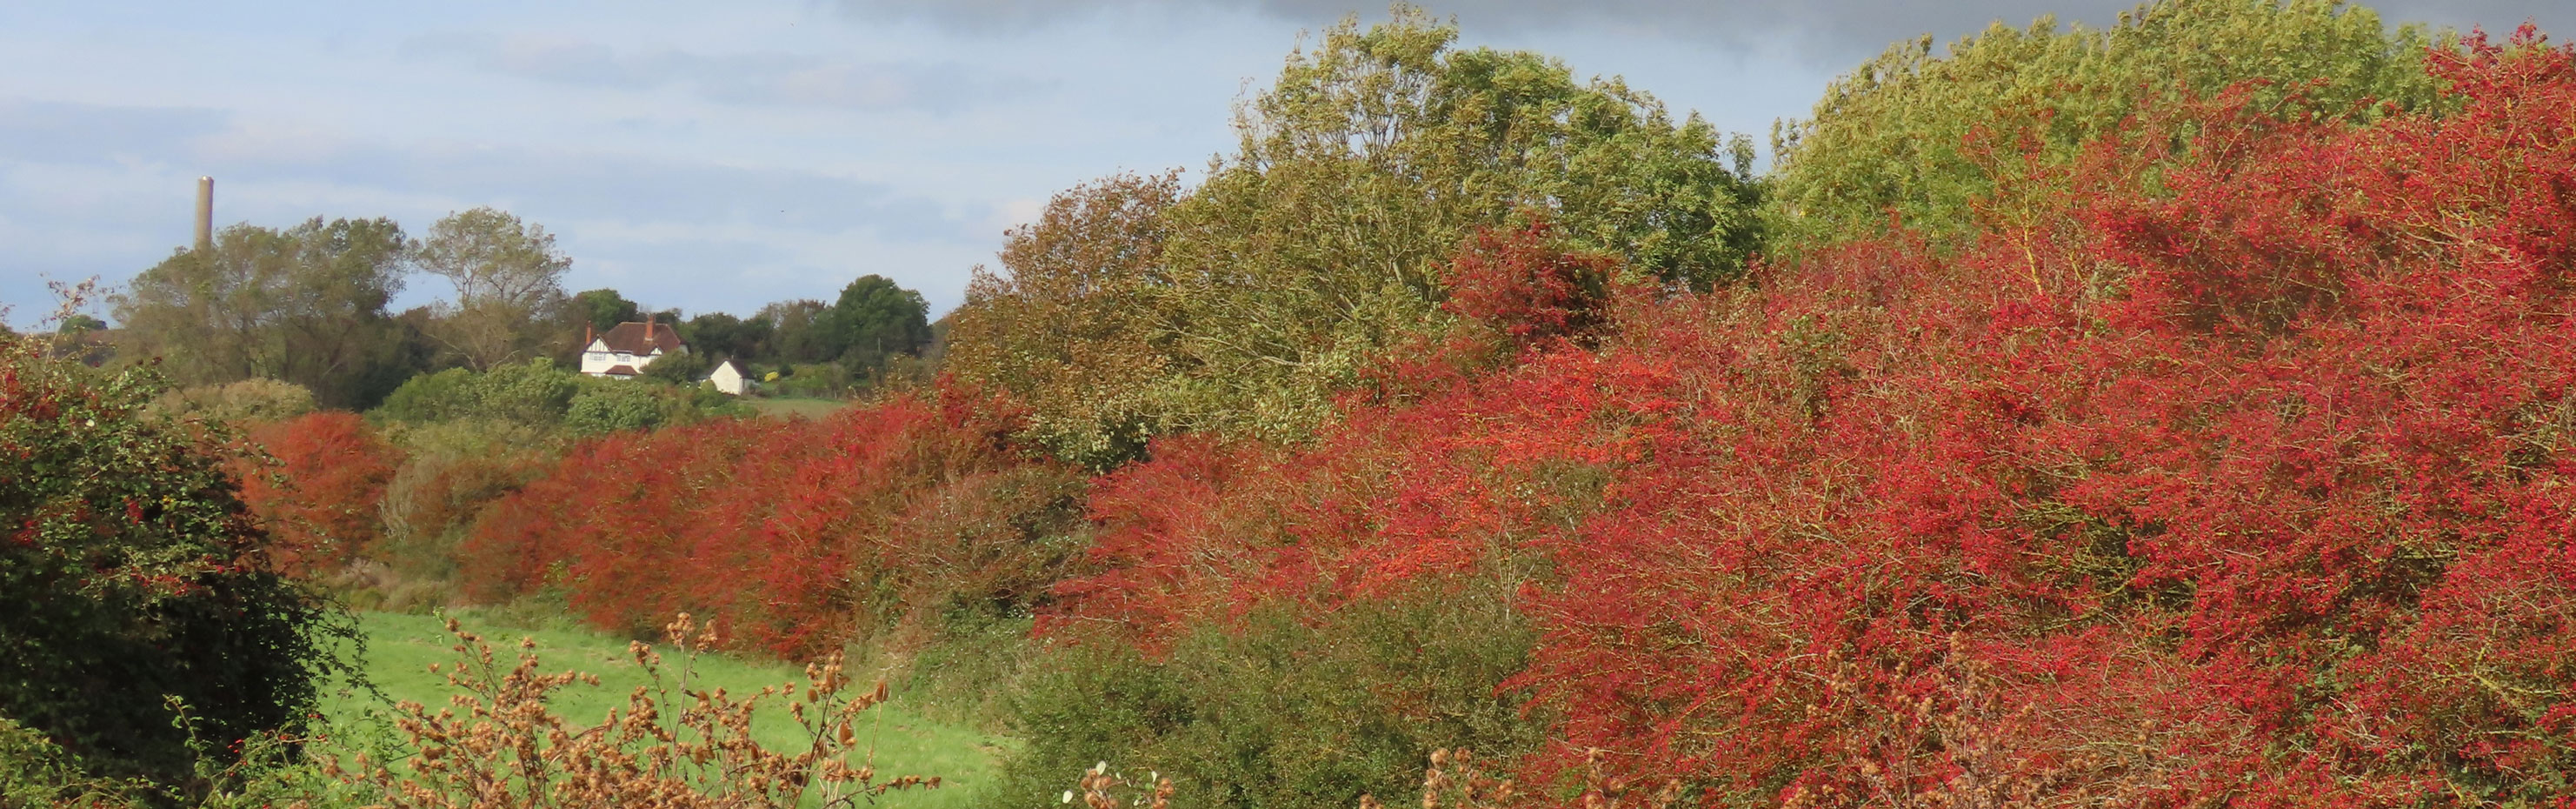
[134, 576]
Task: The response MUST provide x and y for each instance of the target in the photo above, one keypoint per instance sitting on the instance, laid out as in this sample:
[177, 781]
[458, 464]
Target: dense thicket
[2199, 430]
[801, 533]
[144, 624]
[2251, 490]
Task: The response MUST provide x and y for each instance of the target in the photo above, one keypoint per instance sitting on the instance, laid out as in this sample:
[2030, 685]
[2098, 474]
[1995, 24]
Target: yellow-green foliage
[232, 402]
[1241, 305]
[1928, 136]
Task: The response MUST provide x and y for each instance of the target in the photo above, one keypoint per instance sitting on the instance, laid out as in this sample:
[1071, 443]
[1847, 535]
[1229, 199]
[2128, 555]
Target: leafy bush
[533, 393]
[34, 771]
[818, 380]
[2249, 482]
[1248, 304]
[619, 406]
[1285, 709]
[452, 472]
[684, 369]
[317, 483]
[800, 534]
[249, 400]
[136, 580]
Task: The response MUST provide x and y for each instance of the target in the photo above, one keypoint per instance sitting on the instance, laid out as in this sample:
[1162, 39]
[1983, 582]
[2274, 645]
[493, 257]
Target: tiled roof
[622, 370]
[642, 338]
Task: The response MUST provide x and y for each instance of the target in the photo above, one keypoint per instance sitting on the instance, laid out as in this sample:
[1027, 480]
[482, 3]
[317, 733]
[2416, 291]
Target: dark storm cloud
[765, 79]
[1834, 31]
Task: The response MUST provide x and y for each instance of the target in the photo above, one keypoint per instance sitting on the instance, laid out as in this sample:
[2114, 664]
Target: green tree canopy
[305, 305]
[1928, 137]
[1318, 245]
[602, 309]
[508, 278]
[874, 321]
[719, 334]
[799, 331]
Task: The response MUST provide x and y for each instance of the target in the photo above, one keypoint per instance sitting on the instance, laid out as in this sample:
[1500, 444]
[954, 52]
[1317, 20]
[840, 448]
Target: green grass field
[783, 408]
[400, 649]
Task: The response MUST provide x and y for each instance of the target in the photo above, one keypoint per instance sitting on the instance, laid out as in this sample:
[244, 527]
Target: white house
[729, 377]
[624, 351]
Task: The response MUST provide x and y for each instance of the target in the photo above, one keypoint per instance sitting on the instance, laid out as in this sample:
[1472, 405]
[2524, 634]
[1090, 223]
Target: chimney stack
[205, 213]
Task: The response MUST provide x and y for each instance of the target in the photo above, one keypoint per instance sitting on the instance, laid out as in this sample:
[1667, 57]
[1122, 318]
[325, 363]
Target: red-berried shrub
[797, 535]
[2248, 485]
[1518, 282]
[316, 481]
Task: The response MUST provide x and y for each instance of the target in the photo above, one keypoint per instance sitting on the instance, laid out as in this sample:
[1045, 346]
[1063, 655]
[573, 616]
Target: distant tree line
[310, 305]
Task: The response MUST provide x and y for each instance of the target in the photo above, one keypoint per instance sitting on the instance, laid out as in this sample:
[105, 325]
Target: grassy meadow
[401, 648]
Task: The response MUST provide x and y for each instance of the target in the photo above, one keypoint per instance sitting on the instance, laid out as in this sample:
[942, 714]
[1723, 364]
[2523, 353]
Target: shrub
[136, 580]
[249, 400]
[317, 483]
[534, 393]
[2245, 485]
[800, 534]
[1284, 709]
[452, 472]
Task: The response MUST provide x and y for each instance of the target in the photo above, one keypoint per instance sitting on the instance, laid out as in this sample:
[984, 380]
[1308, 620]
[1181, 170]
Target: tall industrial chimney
[205, 212]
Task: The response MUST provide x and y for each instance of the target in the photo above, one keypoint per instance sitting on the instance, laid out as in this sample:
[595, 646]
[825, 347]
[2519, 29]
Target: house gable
[625, 350]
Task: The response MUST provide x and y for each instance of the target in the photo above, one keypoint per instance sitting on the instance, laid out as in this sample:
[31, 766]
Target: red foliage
[2248, 485]
[2253, 489]
[1518, 283]
[793, 534]
[317, 487]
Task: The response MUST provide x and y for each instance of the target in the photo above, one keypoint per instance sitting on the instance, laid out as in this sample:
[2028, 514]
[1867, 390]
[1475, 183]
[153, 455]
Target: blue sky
[715, 157]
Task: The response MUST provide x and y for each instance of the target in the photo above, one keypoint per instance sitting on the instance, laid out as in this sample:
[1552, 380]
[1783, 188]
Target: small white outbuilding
[729, 377]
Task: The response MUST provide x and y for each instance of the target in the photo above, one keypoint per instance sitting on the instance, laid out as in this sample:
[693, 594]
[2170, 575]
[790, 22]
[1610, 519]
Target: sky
[720, 156]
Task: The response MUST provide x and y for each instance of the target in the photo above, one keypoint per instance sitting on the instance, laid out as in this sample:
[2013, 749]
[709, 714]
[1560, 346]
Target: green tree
[800, 332]
[602, 309]
[1318, 246]
[135, 580]
[509, 281]
[1932, 140]
[78, 323]
[718, 334]
[874, 321]
[305, 305]
[1075, 309]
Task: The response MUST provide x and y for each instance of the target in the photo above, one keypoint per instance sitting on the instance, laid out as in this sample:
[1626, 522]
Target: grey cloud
[1834, 32]
[765, 79]
[640, 190]
[57, 132]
